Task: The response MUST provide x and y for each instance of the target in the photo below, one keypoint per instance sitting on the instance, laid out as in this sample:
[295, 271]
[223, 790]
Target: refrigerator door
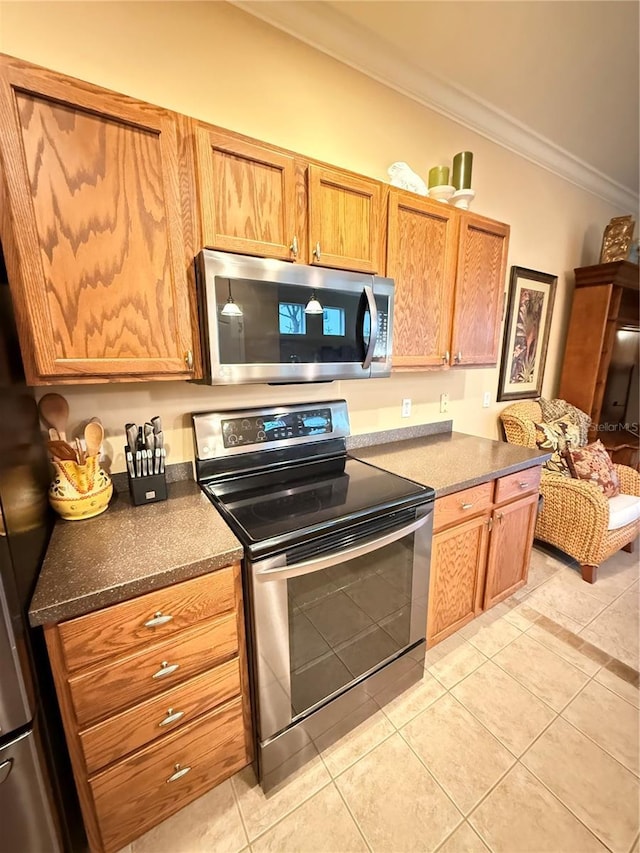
[25, 814]
[15, 706]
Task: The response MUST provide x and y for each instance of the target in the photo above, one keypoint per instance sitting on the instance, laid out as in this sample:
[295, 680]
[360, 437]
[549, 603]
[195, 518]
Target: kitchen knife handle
[158, 619]
[165, 669]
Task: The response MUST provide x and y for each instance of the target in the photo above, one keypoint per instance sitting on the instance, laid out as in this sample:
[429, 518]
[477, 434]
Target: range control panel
[238, 432]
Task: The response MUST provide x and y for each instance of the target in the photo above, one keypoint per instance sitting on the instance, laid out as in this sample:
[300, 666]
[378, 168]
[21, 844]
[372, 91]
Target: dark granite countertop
[128, 551]
[449, 461]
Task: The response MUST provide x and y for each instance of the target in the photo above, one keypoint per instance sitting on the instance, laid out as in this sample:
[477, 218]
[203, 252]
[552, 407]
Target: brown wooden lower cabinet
[153, 724]
[481, 548]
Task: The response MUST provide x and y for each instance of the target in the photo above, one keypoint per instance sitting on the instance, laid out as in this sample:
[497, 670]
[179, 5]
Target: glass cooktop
[311, 497]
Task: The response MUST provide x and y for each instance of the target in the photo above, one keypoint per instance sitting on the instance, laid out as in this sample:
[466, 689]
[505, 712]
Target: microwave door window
[282, 323]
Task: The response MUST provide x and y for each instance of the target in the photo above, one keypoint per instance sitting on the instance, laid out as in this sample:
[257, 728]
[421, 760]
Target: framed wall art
[526, 334]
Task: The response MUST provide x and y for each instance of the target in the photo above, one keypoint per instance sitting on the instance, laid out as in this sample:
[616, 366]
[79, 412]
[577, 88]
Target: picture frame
[526, 334]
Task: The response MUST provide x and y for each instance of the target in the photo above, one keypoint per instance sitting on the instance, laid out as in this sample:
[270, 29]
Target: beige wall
[215, 62]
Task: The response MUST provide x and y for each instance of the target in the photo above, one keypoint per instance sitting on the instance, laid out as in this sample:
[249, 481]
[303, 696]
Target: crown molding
[325, 29]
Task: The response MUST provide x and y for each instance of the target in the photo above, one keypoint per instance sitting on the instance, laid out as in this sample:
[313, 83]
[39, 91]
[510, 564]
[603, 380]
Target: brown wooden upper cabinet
[247, 196]
[94, 243]
[344, 220]
[421, 257]
[479, 290]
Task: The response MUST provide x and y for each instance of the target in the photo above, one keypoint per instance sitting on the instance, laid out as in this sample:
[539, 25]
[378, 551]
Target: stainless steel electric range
[336, 571]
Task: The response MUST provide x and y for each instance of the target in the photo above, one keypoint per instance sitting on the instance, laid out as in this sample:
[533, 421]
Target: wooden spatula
[61, 450]
[54, 411]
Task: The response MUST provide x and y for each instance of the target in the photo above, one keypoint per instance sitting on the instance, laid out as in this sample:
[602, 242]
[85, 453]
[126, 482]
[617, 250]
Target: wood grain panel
[462, 505]
[477, 315]
[121, 628]
[421, 258]
[135, 794]
[344, 213]
[123, 733]
[582, 354]
[456, 583]
[92, 181]
[128, 679]
[521, 483]
[56, 659]
[510, 549]
[247, 195]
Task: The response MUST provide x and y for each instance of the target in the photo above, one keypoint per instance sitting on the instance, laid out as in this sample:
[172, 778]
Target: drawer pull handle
[523, 484]
[466, 506]
[178, 773]
[172, 717]
[159, 618]
[165, 669]
[500, 516]
[316, 252]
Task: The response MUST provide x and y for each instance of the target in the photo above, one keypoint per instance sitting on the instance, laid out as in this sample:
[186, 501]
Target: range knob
[259, 423]
[261, 435]
[233, 439]
[246, 424]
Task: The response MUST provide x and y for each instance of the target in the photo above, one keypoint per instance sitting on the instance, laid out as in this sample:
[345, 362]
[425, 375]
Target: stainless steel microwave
[264, 320]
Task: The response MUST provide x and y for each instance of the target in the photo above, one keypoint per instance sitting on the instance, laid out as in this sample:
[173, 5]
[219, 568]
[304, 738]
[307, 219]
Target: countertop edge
[499, 472]
[74, 608]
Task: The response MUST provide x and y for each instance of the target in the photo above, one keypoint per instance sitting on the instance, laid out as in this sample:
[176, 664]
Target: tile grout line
[236, 802]
[353, 817]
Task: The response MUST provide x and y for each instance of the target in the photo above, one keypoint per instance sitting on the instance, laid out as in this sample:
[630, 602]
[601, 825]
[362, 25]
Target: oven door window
[325, 619]
[275, 328]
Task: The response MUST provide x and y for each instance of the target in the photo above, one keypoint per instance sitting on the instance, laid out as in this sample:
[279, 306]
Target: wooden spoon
[54, 411]
[62, 450]
[93, 437]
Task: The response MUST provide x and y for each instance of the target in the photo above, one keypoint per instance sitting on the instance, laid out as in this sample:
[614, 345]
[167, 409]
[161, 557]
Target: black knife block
[147, 490]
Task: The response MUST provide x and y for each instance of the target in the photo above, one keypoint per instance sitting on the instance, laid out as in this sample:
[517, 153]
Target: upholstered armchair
[576, 517]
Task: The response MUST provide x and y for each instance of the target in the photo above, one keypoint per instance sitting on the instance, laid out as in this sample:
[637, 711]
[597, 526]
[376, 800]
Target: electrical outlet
[486, 399]
[444, 403]
[406, 407]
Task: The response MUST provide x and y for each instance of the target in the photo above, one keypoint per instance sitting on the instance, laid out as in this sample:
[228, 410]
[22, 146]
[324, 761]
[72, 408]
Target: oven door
[327, 615]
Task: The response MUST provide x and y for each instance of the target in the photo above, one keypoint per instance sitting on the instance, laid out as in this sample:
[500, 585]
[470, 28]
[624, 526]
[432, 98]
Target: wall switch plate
[444, 403]
[486, 399]
[406, 407]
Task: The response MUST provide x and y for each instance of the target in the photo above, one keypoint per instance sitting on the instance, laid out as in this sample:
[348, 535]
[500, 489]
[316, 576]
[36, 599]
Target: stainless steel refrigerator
[37, 796]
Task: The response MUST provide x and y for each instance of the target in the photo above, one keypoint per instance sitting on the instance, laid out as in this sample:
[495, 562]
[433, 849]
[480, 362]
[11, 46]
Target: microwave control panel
[381, 349]
[275, 427]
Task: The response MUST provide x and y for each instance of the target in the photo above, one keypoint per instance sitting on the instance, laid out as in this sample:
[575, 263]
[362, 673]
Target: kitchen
[372, 405]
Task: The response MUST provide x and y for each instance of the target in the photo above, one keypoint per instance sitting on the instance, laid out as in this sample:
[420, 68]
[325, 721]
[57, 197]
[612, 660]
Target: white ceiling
[555, 80]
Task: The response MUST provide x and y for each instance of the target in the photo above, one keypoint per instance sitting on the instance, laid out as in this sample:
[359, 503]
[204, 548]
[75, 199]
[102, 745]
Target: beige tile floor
[521, 738]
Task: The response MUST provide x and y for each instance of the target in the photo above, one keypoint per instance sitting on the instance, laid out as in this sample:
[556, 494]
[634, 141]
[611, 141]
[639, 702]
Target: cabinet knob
[165, 669]
[188, 359]
[158, 619]
[178, 773]
[316, 251]
[446, 357]
[500, 516]
[294, 246]
[172, 717]
[458, 357]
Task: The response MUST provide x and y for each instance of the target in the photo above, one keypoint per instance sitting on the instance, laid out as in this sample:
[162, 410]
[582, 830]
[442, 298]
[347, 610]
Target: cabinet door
[510, 549]
[421, 258]
[344, 220]
[98, 270]
[458, 559]
[247, 196]
[477, 314]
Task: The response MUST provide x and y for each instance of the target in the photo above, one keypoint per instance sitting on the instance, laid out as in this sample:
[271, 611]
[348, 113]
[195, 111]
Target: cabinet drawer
[520, 483]
[130, 679]
[123, 627]
[146, 788]
[131, 729]
[462, 505]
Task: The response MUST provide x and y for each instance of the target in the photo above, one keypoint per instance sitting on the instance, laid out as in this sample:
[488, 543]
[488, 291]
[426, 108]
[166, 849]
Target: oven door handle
[373, 333]
[318, 563]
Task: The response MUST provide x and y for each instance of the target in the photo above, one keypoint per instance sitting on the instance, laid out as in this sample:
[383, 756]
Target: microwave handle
[373, 337]
[307, 567]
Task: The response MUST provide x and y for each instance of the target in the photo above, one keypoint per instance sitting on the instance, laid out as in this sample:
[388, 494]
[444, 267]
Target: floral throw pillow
[554, 409]
[592, 463]
[557, 436]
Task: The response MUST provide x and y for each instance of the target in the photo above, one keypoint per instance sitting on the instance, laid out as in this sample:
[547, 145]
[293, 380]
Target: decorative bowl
[463, 198]
[80, 491]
